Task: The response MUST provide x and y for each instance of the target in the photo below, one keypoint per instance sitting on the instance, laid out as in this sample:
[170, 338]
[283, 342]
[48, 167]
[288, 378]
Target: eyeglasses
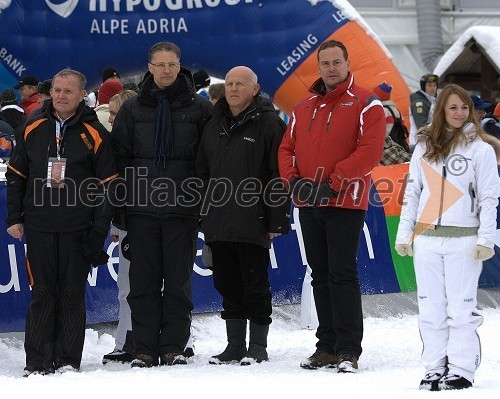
[163, 65]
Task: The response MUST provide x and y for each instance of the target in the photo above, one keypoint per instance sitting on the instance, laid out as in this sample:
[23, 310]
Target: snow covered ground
[389, 367]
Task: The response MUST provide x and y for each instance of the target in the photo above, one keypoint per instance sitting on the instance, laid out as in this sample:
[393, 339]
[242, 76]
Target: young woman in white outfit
[449, 215]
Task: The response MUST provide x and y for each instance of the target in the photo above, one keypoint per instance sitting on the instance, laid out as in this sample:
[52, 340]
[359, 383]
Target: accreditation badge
[56, 170]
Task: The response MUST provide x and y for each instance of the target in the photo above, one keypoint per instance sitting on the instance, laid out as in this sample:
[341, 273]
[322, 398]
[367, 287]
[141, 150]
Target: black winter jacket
[89, 167]
[151, 190]
[244, 197]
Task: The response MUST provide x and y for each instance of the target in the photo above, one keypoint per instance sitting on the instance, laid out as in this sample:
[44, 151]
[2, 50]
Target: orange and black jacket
[83, 202]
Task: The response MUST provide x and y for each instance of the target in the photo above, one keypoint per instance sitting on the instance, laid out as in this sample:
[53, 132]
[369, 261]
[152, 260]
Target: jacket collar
[31, 99]
[427, 96]
[259, 104]
[318, 87]
[82, 113]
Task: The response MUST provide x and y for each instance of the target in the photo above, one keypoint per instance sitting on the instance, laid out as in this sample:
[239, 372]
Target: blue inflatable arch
[277, 39]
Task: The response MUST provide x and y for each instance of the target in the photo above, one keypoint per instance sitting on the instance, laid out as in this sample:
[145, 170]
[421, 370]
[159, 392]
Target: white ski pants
[447, 280]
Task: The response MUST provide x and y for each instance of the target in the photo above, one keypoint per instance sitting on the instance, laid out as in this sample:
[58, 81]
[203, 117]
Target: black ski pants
[55, 323]
[241, 277]
[331, 239]
[162, 257]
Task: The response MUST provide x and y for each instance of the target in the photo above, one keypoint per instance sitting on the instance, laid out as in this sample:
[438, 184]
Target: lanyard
[59, 137]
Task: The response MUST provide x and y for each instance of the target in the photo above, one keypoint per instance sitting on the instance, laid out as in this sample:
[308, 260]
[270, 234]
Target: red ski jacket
[336, 137]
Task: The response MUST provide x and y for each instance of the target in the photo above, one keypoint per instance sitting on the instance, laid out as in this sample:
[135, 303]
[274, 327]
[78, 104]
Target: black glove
[324, 193]
[92, 246]
[303, 189]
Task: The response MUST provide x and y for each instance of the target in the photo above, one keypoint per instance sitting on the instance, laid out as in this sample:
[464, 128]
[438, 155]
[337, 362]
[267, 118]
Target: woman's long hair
[437, 135]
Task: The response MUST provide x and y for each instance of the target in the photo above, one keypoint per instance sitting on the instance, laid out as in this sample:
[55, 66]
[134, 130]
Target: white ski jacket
[461, 191]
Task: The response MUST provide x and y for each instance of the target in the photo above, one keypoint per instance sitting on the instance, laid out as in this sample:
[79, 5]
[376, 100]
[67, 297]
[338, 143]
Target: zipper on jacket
[244, 119]
[329, 118]
[235, 126]
[442, 194]
[224, 131]
[472, 195]
[312, 119]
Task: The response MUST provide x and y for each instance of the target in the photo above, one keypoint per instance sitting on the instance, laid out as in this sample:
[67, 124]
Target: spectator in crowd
[6, 140]
[421, 104]
[238, 234]
[451, 242]
[63, 240]
[43, 89]
[496, 112]
[130, 86]
[124, 341]
[11, 112]
[117, 101]
[156, 136]
[334, 139]
[108, 74]
[216, 91]
[107, 90]
[393, 153]
[201, 80]
[27, 87]
[489, 125]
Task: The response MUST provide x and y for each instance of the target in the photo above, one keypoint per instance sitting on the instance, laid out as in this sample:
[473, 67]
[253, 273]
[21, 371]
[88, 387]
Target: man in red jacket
[334, 138]
[27, 87]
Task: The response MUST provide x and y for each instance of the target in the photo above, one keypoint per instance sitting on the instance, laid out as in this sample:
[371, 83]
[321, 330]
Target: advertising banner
[381, 270]
[277, 39]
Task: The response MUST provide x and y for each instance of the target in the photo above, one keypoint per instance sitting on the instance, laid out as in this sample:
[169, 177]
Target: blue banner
[376, 269]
